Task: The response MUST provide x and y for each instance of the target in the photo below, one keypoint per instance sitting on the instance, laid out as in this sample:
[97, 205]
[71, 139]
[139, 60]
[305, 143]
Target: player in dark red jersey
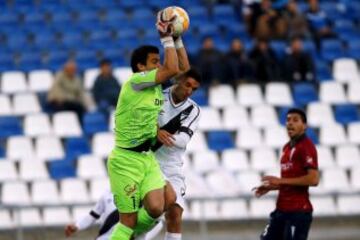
[299, 170]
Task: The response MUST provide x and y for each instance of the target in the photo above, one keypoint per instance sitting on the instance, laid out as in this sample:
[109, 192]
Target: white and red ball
[181, 22]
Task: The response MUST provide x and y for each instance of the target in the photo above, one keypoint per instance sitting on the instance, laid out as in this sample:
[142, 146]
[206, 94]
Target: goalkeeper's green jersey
[137, 110]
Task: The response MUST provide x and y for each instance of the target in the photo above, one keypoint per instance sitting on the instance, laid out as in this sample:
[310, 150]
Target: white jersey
[181, 120]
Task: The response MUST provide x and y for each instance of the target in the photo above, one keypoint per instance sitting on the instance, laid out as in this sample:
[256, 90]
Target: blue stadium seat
[6, 60]
[200, 97]
[236, 30]
[34, 18]
[132, 4]
[331, 49]
[45, 39]
[343, 25]
[94, 122]
[10, 126]
[2, 152]
[198, 13]
[332, 10]
[311, 133]
[208, 30]
[309, 47]
[61, 168]
[102, 34]
[224, 14]
[186, 4]
[346, 113]
[220, 140]
[221, 43]
[72, 39]
[104, 4]
[9, 18]
[115, 16]
[279, 47]
[160, 4]
[87, 16]
[61, 17]
[323, 71]
[143, 13]
[76, 146]
[17, 40]
[354, 49]
[304, 93]
[30, 61]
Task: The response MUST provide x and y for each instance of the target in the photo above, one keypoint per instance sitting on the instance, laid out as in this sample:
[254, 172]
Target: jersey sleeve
[191, 122]
[310, 157]
[99, 208]
[142, 80]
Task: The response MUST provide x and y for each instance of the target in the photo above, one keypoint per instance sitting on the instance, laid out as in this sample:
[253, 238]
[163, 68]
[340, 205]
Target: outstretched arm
[184, 64]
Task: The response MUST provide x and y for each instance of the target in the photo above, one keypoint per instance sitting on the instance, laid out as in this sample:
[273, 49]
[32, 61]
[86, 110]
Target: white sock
[172, 236]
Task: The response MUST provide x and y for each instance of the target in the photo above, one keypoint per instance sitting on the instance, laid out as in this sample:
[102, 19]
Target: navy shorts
[287, 226]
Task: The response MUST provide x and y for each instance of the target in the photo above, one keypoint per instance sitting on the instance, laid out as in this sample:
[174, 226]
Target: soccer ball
[181, 22]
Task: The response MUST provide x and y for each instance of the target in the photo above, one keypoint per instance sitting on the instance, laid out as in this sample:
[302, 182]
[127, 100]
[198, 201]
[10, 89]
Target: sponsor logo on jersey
[130, 189]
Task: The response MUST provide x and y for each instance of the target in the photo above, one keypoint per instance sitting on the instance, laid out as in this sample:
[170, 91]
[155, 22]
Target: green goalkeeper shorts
[132, 175]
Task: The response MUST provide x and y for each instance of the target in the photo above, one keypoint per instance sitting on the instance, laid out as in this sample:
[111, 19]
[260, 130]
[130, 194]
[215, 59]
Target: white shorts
[177, 180]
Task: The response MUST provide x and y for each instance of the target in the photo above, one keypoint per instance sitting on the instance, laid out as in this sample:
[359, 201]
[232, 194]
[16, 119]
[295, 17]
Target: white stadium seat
[19, 147]
[355, 178]
[45, 192]
[340, 185]
[37, 125]
[32, 169]
[90, 166]
[235, 160]
[26, 103]
[248, 180]
[102, 144]
[233, 209]
[6, 220]
[210, 119]
[222, 95]
[49, 148]
[208, 209]
[8, 170]
[276, 136]
[56, 216]
[122, 74]
[90, 76]
[196, 186]
[349, 205]
[69, 187]
[332, 135]
[348, 156]
[197, 143]
[278, 94]
[323, 205]
[261, 207]
[354, 130]
[40, 80]
[66, 124]
[15, 193]
[5, 105]
[13, 82]
[205, 161]
[353, 92]
[97, 187]
[346, 70]
[263, 159]
[235, 117]
[332, 92]
[249, 95]
[325, 157]
[222, 183]
[319, 114]
[30, 217]
[264, 116]
[249, 138]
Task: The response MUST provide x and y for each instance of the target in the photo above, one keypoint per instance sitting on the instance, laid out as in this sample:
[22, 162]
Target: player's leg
[275, 228]
[299, 226]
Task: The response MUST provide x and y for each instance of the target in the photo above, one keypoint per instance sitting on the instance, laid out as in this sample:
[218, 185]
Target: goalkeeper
[135, 176]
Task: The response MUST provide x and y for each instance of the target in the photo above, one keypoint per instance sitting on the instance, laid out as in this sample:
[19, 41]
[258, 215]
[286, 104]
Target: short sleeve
[190, 124]
[310, 157]
[143, 80]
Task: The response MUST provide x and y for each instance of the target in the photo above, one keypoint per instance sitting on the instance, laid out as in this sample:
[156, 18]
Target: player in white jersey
[178, 120]
[107, 215]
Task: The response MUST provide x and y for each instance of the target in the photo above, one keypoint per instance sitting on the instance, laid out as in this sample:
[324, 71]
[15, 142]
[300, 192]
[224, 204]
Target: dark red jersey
[297, 157]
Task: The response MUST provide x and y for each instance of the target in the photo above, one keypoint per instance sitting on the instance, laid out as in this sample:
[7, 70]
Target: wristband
[179, 43]
[167, 42]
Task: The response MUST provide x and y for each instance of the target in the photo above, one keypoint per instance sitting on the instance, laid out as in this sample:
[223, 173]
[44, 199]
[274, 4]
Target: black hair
[298, 111]
[140, 54]
[192, 73]
[105, 61]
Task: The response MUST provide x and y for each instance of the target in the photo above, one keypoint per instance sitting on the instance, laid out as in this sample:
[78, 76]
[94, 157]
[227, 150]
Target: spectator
[297, 24]
[264, 62]
[238, 66]
[299, 65]
[209, 62]
[67, 94]
[106, 88]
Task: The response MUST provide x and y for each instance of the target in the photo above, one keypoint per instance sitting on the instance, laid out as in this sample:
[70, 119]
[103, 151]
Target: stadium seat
[234, 160]
[311, 133]
[200, 97]
[15, 193]
[323, 205]
[222, 95]
[341, 185]
[353, 92]
[102, 144]
[89, 166]
[40, 80]
[204, 162]
[222, 183]
[97, 187]
[331, 49]
[348, 205]
[304, 93]
[210, 119]
[233, 209]
[264, 116]
[19, 147]
[37, 125]
[353, 131]
[6, 220]
[94, 122]
[325, 157]
[348, 156]
[45, 192]
[90, 77]
[10, 126]
[56, 216]
[262, 159]
[346, 113]
[66, 124]
[353, 46]
[278, 94]
[70, 186]
[208, 209]
[332, 135]
[249, 95]
[8, 170]
[76, 146]
[355, 178]
[332, 92]
[220, 140]
[32, 169]
[122, 74]
[30, 217]
[26, 103]
[319, 114]
[248, 138]
[5, 105]
[247, 181]
[261, 208]
[48, 148]
[323, 71]
[235, 117]
[197, 143]
[62, 168]
[196, 186]
[13, 82]
[346, 70]
[275, 137]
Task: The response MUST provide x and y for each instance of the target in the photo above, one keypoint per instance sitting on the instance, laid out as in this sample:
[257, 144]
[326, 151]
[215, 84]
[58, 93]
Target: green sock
[144, 222]
[121, 232]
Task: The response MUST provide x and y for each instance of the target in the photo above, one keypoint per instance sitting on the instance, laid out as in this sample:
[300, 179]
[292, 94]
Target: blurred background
[257, 58]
